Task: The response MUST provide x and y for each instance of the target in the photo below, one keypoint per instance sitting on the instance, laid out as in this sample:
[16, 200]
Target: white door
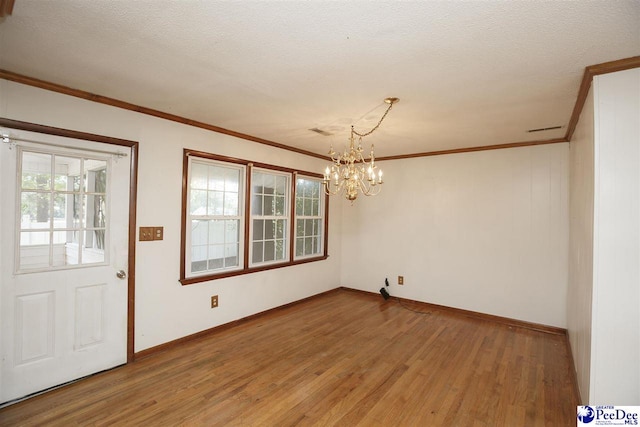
[63, 260]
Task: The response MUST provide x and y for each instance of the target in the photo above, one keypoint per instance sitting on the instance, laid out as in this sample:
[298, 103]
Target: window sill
[233, 273]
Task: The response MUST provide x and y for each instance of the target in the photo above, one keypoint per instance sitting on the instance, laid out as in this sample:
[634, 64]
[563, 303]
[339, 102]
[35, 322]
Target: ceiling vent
[544, 129]
[321, 132]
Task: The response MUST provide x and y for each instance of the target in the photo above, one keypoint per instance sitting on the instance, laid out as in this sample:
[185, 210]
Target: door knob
[121, 274]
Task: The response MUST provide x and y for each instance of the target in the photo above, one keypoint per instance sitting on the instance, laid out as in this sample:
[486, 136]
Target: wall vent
[543, 129]
[321, 132]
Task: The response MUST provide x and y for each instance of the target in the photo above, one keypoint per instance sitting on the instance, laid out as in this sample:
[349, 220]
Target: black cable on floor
[411, 309]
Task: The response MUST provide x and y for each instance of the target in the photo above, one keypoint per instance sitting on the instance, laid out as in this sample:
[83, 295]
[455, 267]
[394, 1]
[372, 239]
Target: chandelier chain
[362, 135]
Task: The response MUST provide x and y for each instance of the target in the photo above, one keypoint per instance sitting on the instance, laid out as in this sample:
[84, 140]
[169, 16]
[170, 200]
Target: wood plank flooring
[342, 358]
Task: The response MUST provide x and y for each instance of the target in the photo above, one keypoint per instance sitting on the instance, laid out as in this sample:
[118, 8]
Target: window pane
[78, 211]
[36, 171]
[257, 252]
[199, 231]
[33, 238]
[258, 229]
[231, 204]
[308, 245]
[60, 211]
[231, 255]
[68, 171]
[299, 204]
[280, 206]
[198, 177]
[98, 217]
[269, 229]
[256, 204]
[216, 231]
[315, 189]
[198, 258]
[92, 251]
[215, 203]
[216, 178]
[299, 246]
[231, 231]
[280, 249]
[280, 228]
[281, 185]
[256, 183]
[268, 206]
[34, 210]
[216, 256]
[215, 263]
[198, 202]
[34, 249]
[269, 250]
[96, 175]
[307, 207]
[269, 183]
[232, 180]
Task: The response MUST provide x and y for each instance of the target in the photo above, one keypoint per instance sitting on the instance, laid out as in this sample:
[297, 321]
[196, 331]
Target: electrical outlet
[214, 301]
[158, 233]
[400, 280]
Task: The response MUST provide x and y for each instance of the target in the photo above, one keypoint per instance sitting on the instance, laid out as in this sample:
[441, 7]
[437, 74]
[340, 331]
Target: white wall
[581, 247]
[484, 231]
[615, 344]
[165, 310]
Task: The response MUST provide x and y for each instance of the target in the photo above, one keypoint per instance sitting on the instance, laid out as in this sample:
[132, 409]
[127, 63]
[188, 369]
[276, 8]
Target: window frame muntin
[247, 182]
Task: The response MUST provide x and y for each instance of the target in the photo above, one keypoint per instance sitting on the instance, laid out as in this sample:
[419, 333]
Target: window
[215, 217]
[269, 216]
[62, 217]
[309, 214]
[240, 217]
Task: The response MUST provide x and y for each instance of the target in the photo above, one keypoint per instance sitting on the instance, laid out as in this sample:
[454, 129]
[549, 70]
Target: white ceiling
[467, 73]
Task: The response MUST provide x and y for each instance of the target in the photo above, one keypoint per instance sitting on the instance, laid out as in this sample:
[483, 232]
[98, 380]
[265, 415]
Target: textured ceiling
[467, 73]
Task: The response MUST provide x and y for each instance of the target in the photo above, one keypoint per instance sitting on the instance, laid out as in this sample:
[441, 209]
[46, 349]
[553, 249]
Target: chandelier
[349, 172]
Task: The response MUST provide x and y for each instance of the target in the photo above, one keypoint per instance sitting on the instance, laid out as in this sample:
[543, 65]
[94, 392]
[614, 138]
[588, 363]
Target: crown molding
[589, 73]
[54, 87]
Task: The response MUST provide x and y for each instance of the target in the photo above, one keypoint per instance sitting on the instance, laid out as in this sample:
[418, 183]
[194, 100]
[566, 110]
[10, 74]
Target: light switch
[146, 234]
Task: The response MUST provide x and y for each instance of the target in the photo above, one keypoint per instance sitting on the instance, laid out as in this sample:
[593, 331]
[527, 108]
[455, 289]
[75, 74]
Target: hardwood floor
[342, 358]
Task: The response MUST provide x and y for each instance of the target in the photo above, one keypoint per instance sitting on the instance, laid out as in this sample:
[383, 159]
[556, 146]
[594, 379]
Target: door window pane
[71, 210]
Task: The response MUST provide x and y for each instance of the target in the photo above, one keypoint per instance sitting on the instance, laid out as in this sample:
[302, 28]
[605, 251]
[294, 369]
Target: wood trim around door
[6, 7]
[133, 197]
